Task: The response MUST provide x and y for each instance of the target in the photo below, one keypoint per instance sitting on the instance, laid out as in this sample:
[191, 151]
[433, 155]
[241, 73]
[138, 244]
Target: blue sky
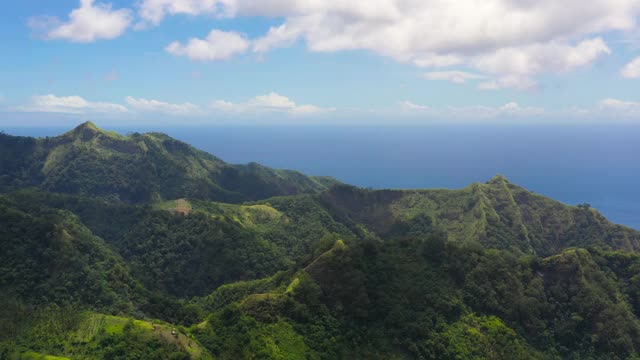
[312, 61]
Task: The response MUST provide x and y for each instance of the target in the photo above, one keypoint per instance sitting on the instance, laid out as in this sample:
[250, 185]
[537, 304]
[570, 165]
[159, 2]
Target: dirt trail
[173, 336]
[183, 206]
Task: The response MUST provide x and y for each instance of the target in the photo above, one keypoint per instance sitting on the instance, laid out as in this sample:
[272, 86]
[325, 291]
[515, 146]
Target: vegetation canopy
[141, 246]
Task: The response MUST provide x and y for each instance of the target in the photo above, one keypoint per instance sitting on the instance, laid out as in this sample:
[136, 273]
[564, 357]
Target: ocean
[575, 164]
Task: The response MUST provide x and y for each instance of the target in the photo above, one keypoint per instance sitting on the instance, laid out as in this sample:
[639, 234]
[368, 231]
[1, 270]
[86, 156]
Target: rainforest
[140, 246]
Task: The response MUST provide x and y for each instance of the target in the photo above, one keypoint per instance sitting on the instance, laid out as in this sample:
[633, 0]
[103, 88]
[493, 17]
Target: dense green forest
[142, 247]
[138, 168]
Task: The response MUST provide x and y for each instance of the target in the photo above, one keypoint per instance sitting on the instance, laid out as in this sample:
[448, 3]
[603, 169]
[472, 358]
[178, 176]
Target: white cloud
[224, 105]
[163, 107]
[509, 110]
[516, 109]
[512, 106]
[259, 107]
[616, 104]
[309, 109]
[611, 109]
[219, 45]
[606, 110]
[517, 66]
[271, 102]
[479, 112]
[279, 36]
[514, 41]
[457, 77]
[138, 107]
[632, 69]
[521, 82]
[408, 105]
[153, 11]
[436, 61]
[620, 108]
[86, 24]
[70, 105]
[537, 58]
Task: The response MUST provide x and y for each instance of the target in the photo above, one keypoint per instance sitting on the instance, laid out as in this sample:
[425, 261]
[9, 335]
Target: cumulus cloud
[276, 37]
[606, 110]
[218, 45]
[408, 105]
[510, 42]
[70, 105]
[537, 58]
[153, 11]
[508, 110]
[516, 66]
[163, 107]
[271, 102]
[622, 108]
[456, 77]
[612, 109]
[515, 108]
[632, 69]
[513, 41]
[259, 105]
[88, 23]
[521, 82]
[478, 112]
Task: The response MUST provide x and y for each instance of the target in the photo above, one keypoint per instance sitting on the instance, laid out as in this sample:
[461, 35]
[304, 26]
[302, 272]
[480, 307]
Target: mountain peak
[499, 178]
[88, 131]
[88, 125]
[145, 168]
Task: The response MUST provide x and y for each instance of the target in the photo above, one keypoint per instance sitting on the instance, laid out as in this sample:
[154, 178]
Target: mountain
[497, 214]
[49, 250]
[101, 260]
[139, 168]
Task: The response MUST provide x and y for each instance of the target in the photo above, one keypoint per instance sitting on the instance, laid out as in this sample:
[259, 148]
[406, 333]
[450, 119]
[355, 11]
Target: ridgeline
[141, 246]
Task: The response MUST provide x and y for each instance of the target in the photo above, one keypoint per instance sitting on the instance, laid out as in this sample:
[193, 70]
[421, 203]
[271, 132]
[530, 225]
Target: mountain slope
[367, 300]
[139, 168]
[330, 271]
[73, 334]
[192, 252]
[497, 214]
[50, 257]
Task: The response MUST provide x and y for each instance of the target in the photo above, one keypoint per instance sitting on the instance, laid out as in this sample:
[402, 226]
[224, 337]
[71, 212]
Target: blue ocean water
[574, 164]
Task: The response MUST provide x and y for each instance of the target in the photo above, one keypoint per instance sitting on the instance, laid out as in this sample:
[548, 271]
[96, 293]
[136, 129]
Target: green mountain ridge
[497, 214]
[139, 168]
[140, 246]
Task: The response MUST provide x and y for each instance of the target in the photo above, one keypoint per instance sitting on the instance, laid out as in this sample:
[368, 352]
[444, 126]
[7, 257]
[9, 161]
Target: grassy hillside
[139, 168]
[182, 252]
[202, 261]
[70, 334]
[371, 300]
[497, 214]
[49, 256]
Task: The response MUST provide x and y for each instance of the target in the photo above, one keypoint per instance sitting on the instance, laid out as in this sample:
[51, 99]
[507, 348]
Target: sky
[319, 61]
